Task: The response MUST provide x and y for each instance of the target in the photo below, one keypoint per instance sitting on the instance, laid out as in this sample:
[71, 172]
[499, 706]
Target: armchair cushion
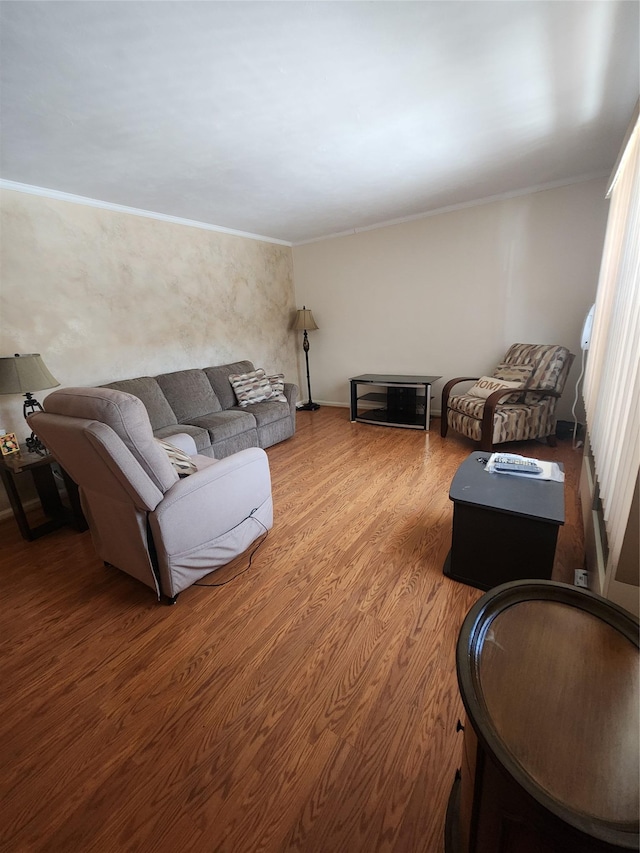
[511, 422]
[521, 373]
[514, 372]
[548, 362]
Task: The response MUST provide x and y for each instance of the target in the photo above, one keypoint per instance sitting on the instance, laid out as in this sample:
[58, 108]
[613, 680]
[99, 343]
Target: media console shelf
[405, 401]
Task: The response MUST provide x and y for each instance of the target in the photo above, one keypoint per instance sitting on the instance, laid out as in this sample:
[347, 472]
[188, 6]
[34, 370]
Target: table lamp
[24, 374]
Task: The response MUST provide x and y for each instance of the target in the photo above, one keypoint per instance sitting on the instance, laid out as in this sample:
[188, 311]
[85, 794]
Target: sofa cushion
[269, 411]
[198, 434]
[146, 388]
[224, 425]
[189, 393]
[251, 388]
[219, 379]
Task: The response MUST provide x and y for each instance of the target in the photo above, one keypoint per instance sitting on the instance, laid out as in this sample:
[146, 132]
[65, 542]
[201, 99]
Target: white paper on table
[550, 470]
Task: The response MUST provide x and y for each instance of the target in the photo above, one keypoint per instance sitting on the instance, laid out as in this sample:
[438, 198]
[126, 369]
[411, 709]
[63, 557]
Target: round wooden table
[549, 678]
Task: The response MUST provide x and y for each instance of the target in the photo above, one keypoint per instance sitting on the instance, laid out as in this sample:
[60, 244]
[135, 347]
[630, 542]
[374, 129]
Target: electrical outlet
[581, 578]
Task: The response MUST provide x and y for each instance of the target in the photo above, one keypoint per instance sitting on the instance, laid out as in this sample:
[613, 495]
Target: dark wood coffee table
[505, 528]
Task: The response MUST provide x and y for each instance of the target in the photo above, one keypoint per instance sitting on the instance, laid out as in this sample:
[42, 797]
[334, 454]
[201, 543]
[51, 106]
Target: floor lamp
[304, 322]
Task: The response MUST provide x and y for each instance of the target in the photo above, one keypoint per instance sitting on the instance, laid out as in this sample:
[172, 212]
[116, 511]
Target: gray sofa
[202, 403]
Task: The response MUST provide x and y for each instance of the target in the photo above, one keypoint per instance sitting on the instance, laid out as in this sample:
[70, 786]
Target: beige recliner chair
[538, 373]
[165, 530]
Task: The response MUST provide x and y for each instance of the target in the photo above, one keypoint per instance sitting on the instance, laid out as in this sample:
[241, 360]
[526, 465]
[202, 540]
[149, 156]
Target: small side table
[40, 468]
[548, 675]
[504, 528]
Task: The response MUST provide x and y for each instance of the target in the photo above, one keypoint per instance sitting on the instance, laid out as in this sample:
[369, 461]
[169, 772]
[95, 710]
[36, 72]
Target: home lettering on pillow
[488, 384]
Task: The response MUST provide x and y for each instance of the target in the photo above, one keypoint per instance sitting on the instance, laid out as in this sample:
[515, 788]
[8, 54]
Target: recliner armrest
[542, 392]
[183, 441]
[212, 501]
[446, 392]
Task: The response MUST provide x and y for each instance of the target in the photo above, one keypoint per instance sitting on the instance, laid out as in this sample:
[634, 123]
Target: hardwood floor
[309, 705]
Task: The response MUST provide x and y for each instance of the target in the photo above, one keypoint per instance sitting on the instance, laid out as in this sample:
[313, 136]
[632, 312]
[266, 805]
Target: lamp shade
[20, 374]
[304, 321]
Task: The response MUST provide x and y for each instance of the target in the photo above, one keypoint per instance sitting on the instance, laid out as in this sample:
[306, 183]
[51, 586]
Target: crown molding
[176, 220]
[134, 211]
[462, 206]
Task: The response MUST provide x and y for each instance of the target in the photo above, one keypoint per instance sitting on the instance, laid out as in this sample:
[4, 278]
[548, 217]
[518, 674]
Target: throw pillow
[514, 373]
[252, 387]
[180, 460]
[277, 383]
[488, 384]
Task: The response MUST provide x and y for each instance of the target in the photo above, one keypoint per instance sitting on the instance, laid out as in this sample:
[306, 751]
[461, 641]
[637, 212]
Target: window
[612, 380]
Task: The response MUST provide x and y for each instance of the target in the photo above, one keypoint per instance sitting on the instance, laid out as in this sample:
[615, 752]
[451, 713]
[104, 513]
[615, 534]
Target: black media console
[404, 401]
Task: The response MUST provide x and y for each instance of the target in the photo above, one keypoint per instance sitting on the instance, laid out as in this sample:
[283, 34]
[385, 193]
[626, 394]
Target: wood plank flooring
[309, 705]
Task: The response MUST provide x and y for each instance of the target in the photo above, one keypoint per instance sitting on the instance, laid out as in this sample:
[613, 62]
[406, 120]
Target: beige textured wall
[104, 295]
[447, 294]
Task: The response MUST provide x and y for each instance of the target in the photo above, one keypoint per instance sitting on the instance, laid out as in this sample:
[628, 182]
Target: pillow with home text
[488, 384]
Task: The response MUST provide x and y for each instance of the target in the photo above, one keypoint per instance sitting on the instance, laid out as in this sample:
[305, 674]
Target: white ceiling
[296, 120]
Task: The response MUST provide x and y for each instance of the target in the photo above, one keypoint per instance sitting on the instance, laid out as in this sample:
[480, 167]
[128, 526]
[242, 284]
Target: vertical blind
[612, 377]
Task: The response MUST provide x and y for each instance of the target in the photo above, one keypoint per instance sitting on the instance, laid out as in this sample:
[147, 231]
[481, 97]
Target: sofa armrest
[291, 393]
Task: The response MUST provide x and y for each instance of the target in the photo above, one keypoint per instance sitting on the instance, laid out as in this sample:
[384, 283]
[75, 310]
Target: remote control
[523, 466]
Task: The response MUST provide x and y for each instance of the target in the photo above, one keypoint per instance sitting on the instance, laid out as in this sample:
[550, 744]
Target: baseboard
[593, 545]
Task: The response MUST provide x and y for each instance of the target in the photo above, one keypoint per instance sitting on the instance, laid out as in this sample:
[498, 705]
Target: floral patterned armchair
[517, 403]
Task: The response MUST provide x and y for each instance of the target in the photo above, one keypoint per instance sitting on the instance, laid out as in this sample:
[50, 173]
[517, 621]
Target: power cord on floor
[251, 555]
[577, 444]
